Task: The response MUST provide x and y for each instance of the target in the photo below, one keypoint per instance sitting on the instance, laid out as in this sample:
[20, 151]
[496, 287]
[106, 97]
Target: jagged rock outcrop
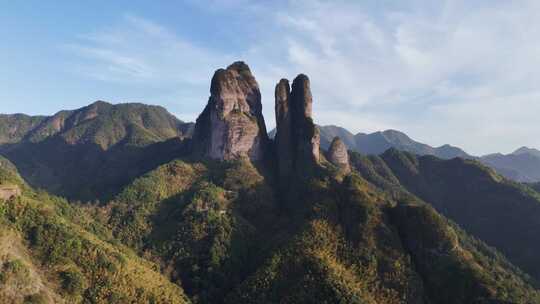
[297, 138]
[337, 154]
[232, 124]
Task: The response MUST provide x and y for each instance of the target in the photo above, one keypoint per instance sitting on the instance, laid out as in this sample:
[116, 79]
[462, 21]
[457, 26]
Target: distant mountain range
[522, 165]
[378, 142]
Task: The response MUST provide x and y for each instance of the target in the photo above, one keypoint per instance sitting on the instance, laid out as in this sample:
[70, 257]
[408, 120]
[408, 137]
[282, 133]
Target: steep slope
[203, 222]
[237, 231]
[482, 202]
[90, 153]
[54, 253]
[224, 232]
[231, 125]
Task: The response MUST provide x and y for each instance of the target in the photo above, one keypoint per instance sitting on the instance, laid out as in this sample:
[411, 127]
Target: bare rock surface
[232, 124]
[337, 154]
[297, 138]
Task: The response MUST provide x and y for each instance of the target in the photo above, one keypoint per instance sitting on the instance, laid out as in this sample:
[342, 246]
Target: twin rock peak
[232, 125]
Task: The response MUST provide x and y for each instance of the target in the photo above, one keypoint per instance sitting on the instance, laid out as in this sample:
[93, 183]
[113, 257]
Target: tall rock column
[304, 131]
[232, 124]
[297, 138]
[283, 136]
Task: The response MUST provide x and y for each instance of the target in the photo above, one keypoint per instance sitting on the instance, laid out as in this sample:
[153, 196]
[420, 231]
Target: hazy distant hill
[522, 165]
[527, 150]
[329, 132]
[378, 142]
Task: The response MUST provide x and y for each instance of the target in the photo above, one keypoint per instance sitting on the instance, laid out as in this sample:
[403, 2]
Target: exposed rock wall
[297, 138]
[284, 136]
[337, 154]
[232, 124]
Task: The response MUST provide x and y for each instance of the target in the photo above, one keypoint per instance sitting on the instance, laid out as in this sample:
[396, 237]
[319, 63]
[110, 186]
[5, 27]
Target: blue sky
[442, 71]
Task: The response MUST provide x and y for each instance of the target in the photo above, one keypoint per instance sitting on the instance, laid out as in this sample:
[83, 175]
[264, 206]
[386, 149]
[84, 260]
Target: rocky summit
[232, 124]
[297, 138]
[337, 154]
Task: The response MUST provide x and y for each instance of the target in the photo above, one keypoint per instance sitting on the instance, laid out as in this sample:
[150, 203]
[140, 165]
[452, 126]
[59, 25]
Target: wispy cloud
[139, 50]
[453, 72]
[144, 54]
[446, 72]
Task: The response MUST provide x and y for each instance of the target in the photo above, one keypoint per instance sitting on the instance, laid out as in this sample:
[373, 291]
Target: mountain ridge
[106, 145]
[226, 217]
[87, 124]
[522, 165]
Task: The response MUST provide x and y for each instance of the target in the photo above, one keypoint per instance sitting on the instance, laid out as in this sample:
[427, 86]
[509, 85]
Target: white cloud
[138, 50]
[457, 73]
[445, 72]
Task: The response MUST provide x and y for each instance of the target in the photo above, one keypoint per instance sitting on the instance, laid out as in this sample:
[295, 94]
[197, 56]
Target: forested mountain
[54, 252]
[482, 202]
[232, 216]
[100, 123]
[91, 152]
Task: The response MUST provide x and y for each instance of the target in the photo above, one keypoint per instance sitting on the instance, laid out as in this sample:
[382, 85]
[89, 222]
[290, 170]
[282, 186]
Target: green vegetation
[88, 267]
[193, 219]
[13, 128]
[216, 229]
[486, 205]
[92, 152]
[456, 268]
[37, 298]
[399, 229]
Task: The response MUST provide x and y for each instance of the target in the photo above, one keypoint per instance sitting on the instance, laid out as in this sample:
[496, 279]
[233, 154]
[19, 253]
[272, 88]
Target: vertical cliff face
[297, 139]
[337, 154]
[306, 134]
[232, 124]
[283, 137]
